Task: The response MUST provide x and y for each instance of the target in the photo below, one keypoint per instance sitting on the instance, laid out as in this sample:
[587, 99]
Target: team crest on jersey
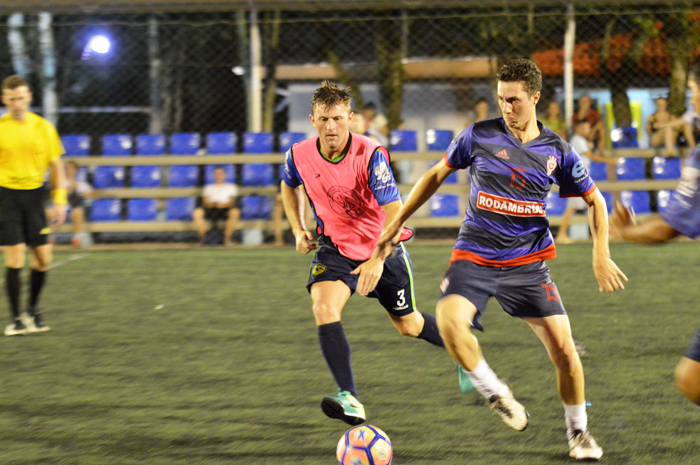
[510, 207]
[551, 165]
[381, 172]
[318, 269]
[346, 202]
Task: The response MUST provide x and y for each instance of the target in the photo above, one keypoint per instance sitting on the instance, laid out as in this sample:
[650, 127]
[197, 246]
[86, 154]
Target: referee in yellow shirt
[28, 146]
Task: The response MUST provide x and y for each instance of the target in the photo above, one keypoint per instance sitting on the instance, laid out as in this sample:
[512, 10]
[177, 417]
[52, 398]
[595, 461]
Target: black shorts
[216, 214]
[693, 351]
[524, 291]
[75, 200]
[22, 217]
[394, 290]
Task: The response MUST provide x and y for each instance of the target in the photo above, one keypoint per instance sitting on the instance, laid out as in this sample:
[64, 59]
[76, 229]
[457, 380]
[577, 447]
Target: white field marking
[72, 258]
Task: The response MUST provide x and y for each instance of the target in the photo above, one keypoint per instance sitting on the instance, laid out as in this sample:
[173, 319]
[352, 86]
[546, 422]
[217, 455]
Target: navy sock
[13, 286]
[430, 331]
[336, 350]
[36, 280]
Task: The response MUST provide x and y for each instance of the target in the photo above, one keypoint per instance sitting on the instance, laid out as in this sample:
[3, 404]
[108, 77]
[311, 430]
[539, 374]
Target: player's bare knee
[409, 325]
[325, 313]
[687, 383]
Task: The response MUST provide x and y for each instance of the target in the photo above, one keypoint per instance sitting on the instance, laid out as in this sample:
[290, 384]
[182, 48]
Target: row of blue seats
[111, 177]
[226, 143]
[633, 169]
[253, 207]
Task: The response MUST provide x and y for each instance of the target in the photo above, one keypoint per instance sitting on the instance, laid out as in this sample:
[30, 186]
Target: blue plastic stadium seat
[255, 207]
[445, 205]
[438, 139]
[117, 145]
[108, 177]
[221, 143]
[637, 200]
[141, 209]
[556, 206]
[287, 139]
[404, 141]
[209, 173]
[145, 176]
[150, 144]
[662, 198]
[76, 145]
[609, 200]
[179, 209]
[630, 169]
[185, 143]
[184, 175]
[106, 210]
[666, 168]
[257, 175]
[599, 171]
[257, 142]
[624, 137]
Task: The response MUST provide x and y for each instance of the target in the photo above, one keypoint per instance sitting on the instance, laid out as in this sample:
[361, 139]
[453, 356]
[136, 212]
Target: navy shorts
[524, 291]
[693, 351]
[394, 289]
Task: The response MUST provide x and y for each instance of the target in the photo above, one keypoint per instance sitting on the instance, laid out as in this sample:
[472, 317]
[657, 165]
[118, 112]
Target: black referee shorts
[22, 217]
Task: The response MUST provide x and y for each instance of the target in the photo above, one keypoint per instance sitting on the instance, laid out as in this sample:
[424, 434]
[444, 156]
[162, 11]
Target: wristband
[59, 196]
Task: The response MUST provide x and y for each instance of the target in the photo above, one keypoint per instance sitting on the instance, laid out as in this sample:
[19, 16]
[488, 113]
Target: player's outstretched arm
[57, 174]
[606, 272]
[292, 200]
[426, 186]
[624, 227]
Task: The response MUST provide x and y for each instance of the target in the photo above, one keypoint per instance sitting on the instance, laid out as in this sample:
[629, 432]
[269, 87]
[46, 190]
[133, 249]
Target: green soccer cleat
[465, 384]
[344, 407]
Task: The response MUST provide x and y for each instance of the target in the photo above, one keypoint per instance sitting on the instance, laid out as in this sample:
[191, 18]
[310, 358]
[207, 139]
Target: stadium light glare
[238, 70]
[99, 44]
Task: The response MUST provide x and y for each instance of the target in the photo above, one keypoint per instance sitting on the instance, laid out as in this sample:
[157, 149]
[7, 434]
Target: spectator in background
[691, 117]
[77, 192]
[664, 128]
[579, 141]
[358, 125]
[586, 111]
[219, 203]
[377, 126]
[554, 120]
[482, 110]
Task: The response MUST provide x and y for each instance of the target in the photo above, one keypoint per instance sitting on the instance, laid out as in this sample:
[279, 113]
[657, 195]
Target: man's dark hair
[522, 70]
[13, 82]
[482, 100]
[330, 95]
[220, 168]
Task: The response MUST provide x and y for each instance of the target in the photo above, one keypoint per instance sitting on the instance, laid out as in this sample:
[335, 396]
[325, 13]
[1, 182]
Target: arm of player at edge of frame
[426, 186]
[606, 272]
[293, 202]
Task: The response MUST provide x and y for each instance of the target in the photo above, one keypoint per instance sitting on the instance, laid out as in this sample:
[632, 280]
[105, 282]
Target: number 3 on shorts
[402, 298]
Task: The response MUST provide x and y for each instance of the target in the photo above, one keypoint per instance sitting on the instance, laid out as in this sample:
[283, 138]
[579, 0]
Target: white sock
[576, 418]
[485, 380]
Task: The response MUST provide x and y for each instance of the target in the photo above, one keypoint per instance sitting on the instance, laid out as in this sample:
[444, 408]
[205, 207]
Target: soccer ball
[364, 445]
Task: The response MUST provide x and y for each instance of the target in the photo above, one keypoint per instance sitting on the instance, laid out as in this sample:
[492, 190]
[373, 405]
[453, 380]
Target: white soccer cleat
[16, 329]
[509, 409]
[583, 447]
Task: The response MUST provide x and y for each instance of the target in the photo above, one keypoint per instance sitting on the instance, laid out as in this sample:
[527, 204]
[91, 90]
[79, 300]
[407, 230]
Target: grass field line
[72, 258]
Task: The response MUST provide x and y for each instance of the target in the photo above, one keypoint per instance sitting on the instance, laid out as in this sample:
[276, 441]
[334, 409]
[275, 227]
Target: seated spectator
[77, 192]
[358, 125]
[377, 124]
[579, 141]
[692, 118]
[219, 203]
[554, 120]
[586, 112]
[664, 128]
[482, 110]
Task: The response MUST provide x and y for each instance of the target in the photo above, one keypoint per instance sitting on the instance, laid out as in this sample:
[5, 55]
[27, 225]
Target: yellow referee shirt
[26, 149]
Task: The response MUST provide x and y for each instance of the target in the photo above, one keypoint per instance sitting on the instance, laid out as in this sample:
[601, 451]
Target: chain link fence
[427, 72]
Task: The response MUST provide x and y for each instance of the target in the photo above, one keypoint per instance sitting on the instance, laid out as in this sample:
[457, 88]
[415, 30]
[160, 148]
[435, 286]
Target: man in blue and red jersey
[504, 241]
[352, 191]
[680, 217]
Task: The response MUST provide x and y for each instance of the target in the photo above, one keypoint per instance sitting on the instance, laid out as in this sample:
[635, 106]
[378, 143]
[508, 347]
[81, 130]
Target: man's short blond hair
[13, 82]
[330, 95]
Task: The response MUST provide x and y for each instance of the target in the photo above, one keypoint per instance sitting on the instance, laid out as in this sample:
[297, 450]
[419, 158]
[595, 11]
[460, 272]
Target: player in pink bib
[351, 188]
